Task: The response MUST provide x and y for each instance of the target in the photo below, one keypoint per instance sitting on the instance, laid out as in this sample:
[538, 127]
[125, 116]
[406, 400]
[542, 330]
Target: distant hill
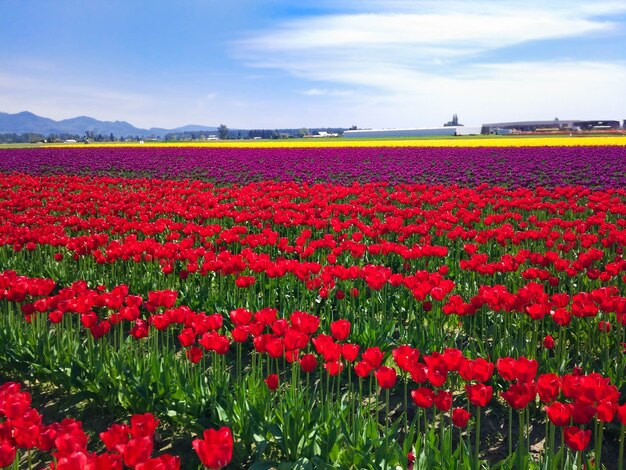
[27, 122]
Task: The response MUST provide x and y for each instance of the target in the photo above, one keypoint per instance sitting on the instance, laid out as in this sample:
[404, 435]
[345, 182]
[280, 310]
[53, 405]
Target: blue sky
[276, 63]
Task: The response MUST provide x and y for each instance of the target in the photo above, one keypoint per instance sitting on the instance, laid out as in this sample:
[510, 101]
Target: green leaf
[275, 431]
[266, 465]
[221, 412]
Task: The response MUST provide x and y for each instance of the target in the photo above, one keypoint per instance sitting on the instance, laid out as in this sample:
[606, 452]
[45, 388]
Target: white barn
[413, 132]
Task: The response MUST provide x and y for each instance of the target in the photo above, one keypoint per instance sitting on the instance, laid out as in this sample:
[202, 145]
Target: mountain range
[27, 122]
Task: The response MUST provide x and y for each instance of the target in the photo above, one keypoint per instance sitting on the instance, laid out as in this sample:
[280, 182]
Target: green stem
[326, 405]
[477, 439]
[599, 445]
[417, 428]
[406, 415]
[350, 395]
[359, 407]
[510, 430]
[387, 408]
[552, 439]
[522, 440]
[620, 459]
[441, 429]
[418, 413]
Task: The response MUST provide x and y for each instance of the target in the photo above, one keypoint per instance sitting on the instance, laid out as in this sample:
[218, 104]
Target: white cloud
[415, 62]
[326, 92]
[447, 30]
[496, 92]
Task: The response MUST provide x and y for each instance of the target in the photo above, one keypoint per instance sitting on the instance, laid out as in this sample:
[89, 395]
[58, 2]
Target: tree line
[222, 132]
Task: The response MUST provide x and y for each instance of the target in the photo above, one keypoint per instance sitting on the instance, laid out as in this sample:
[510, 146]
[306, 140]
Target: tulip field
[355, 307]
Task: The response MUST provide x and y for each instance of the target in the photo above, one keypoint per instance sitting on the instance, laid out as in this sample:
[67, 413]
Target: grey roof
[531, 123]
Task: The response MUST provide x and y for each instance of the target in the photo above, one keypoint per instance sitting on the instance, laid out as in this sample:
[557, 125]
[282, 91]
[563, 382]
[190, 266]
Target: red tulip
[100, 329]
[423, 397]
[410, 460]
[549, 387]
[340, 329]
[350, 351]
[15, 404]
[478, 369]
[240, 333]
[240, 316]
[71, 440]
[47, 434]
[194, 354]
[418, 373]
[331, 352]
[304, 322]
[308, 363]
[295, 339]
[526, 369]
[562, 317]
[292, 355]
[373, 356]
[453, 358]
[7, 454]
[460, 417]
[559, 414]
[245, 281]
[506, 368]
[577, 439]
[582, 412]
[386, 377]
[216, 449]
[606, 411]
[187, 337]
[320, 342]
[162, 462]
[570, 384]
[519, 395]
[548, 342]
[140, 330]
[272, 382]
[362, 369]
[479, 394]
[137, 450]
[116, 434]
[405, 357]
[143, 425]
[280, 327]
[537, 311]
[75, 460]
[437, 376]
[333, 368]
[114, 462]
[443, 400]
[274, 346]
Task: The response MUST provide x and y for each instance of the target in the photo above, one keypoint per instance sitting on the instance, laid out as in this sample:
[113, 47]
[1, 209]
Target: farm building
[413, 132]
[550, 126]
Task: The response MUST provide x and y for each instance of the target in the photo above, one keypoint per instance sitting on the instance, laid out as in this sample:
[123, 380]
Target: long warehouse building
[551, 126]
[414, 132]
